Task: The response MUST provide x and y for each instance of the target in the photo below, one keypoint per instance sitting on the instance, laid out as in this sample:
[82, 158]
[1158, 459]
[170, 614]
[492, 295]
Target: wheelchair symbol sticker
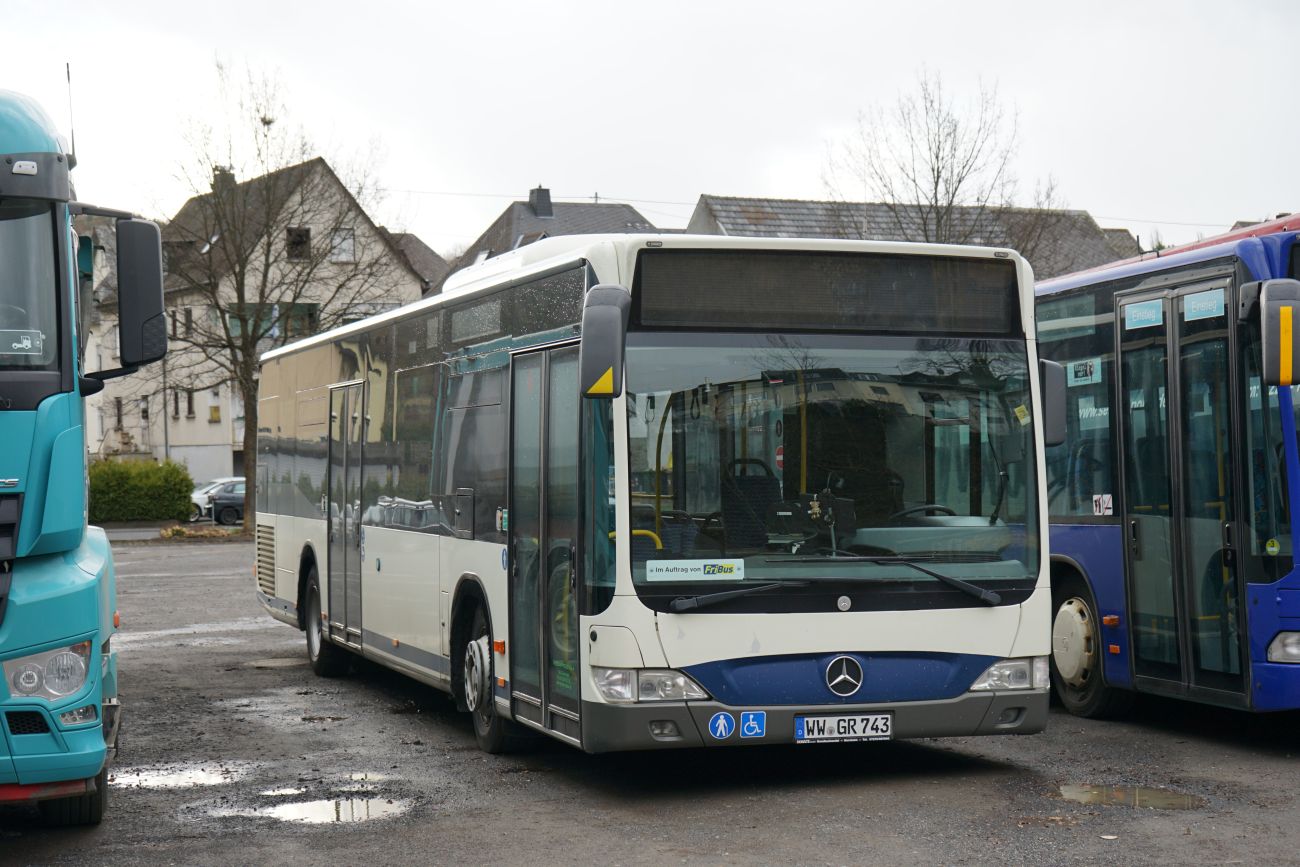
[753, 723]
[721, 725]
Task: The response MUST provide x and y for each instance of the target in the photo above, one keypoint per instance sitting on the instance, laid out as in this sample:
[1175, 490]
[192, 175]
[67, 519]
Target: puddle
[282, 793]
[176, 776]
[338, 811]
[1131, 796]
[278, 662]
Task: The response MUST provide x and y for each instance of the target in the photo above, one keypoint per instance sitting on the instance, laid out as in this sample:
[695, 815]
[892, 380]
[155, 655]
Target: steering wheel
[925, 508]
[14, 314]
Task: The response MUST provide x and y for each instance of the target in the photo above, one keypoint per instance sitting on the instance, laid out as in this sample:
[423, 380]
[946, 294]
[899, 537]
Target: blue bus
[59, 709]
[1172, 497]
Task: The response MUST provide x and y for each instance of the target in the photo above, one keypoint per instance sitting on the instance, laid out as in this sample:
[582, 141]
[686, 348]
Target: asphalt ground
[233, 752]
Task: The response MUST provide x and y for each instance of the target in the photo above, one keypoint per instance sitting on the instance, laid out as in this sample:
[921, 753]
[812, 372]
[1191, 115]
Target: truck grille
[26, 722]
[10, 509]
[266, 559]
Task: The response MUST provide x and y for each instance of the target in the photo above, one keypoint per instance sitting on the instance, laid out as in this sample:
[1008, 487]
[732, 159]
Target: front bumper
[611, 727]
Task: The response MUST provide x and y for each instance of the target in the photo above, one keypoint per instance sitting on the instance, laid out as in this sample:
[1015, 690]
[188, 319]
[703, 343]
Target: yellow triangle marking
[604, 385]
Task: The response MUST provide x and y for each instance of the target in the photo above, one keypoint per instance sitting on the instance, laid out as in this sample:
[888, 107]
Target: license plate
[843, 727]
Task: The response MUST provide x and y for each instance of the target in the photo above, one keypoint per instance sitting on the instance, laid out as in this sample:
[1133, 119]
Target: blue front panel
[800, 679]
[1098, 549]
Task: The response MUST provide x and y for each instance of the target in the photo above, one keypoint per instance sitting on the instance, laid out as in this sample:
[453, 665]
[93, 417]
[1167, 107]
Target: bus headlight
[645, 684]
[51, 675]
[1027, 673]
[1285, 647]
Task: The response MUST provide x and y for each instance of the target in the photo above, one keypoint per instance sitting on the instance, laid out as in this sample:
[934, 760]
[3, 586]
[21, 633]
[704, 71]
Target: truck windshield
[758, 457]
[28, 286]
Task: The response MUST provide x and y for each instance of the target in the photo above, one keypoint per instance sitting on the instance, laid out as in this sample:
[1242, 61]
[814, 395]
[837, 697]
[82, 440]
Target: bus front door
[347, 420]
[1179, 447]
[543, 536]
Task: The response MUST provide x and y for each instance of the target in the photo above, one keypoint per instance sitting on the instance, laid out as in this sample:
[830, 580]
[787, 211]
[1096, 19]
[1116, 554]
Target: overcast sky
[1171, 117]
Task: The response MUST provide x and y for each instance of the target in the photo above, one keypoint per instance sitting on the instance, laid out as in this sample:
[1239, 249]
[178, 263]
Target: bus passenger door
[347, 421]
[1178, 445]
[543, 538]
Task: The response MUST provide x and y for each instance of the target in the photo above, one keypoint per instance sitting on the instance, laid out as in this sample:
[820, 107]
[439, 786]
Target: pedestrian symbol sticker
[753, 723]
[722, 725]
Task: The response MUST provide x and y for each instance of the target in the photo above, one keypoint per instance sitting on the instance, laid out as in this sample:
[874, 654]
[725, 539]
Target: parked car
[199, 504]
[228, 503]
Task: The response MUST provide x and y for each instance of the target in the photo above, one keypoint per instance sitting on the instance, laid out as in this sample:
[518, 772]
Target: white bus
[645, 491]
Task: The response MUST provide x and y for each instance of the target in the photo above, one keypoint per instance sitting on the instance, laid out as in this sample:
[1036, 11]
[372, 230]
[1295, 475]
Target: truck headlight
[51, 675]
[645, 684]
[1285, 647]
[1027, 673]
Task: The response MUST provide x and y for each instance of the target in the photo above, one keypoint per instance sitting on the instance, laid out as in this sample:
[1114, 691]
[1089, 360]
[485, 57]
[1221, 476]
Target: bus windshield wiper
[988, 597]
[686, 603]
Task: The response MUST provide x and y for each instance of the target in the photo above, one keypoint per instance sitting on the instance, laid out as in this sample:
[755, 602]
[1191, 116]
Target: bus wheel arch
[471, 625]
[469, 597]
[1076, 660]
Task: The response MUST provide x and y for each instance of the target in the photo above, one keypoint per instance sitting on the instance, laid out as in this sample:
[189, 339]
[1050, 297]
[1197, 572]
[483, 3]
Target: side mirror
[1279, 303]
[1051, 379]
[604, 334]
[142, 324]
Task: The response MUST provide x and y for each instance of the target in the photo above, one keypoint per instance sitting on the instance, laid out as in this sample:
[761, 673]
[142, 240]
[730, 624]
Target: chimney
[223, 178]
[539, 200]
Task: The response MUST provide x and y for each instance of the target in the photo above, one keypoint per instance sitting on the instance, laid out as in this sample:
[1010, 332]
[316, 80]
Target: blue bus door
[1178, 441]
[347, 420]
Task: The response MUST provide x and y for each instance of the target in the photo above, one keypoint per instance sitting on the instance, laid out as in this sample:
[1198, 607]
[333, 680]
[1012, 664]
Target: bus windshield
[28, 289]
[760, 457]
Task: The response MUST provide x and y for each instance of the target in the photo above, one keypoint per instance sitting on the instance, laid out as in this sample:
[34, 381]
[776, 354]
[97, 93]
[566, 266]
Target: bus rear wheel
[78, 810]
[1077, 655]
[494, 734]
[327, 660]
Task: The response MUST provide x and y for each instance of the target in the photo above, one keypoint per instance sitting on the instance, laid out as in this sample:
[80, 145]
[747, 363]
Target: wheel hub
[477, 688]
[1072, 649]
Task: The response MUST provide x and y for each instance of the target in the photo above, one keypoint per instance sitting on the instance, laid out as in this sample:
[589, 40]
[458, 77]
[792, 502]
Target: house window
[175, 319]
[189, 403]
[189, 321]
[214, 413]
[297, 243]
[176, 403]
[144, 409]
[117, 410]
[343, 246]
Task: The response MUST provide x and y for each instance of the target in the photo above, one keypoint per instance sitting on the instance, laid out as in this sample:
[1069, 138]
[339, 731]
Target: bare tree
[940, 172]
[253, 264]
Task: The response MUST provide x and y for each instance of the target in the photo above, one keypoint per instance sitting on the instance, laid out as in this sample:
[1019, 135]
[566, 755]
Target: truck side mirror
[604, 335]
[1051, 379]
[142, 324]
[1279, 303]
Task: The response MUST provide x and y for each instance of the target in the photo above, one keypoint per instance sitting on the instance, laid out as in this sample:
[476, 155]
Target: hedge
[139, 491]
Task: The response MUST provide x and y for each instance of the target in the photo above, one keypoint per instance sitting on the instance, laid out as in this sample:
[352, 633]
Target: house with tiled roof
[525, 222]
[1054, 241]
[249, 265]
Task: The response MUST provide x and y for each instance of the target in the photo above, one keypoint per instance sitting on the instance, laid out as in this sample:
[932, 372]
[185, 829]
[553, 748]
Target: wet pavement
[233, 752]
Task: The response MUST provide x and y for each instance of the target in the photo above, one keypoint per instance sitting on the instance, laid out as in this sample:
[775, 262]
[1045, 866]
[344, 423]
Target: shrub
[139, 491]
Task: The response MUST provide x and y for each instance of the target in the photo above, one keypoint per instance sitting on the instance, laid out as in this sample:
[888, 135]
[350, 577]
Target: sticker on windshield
[1084, 372]
[14, 342]
[1022, 413]
[1103, 504]
[695, 570]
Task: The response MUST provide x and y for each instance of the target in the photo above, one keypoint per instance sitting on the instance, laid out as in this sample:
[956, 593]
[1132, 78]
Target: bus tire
[494, 734]
[80, 809]
[326, 658]
[1076, 646]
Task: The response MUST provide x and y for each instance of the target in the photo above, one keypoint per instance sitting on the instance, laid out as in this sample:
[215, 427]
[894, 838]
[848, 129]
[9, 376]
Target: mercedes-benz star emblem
[844, 676]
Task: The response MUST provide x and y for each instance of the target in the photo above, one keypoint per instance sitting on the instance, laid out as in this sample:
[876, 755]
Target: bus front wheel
[494, 734]
[1077, 655]
[327, 660]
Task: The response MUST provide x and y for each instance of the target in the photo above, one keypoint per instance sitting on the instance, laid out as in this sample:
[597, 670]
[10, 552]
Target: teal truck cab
[59, 709]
